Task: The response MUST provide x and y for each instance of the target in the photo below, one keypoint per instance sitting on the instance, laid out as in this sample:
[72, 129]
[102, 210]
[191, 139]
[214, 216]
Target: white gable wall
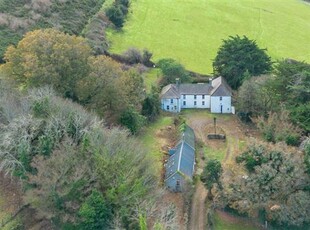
[220, 104]
[190, 101]
[171, 105]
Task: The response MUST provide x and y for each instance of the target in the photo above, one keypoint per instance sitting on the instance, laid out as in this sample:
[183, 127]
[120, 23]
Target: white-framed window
[203, 96]
[171, 101]
[221, 98]
[195, 96]
[184, 103]
[167, 107]
[195, 102]
[203, 103]
[184, 96]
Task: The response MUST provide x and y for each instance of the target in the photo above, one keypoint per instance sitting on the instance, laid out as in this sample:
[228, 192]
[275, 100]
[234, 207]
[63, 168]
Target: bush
[94, 212]
[252, 158]
[151, 106]
[307, 155]
[117, 12]
[134, 56]
[292, 139]
[171, 70]
[277, 127]
[116, 15]
[132, 120]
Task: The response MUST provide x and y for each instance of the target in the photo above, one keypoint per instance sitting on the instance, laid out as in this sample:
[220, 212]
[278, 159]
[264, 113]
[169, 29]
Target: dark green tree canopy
[237, 56]
[171, 69]
[211, 173]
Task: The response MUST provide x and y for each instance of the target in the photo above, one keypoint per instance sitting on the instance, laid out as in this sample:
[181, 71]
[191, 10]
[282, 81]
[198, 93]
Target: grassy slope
[149, 140]
[151, 78]
[5, 215]
[235, 224]
[191, 31]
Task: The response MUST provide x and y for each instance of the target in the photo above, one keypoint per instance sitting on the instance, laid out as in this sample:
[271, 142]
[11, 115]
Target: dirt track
[234, 132]
[197, 219]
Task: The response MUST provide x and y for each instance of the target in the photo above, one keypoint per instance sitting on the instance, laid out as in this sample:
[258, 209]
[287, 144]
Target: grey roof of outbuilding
[182, 161]
[189, 136]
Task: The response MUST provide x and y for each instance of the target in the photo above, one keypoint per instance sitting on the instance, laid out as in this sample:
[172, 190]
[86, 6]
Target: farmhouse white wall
[190, 101]
[217, 103]
[215, 96]
[171, 105]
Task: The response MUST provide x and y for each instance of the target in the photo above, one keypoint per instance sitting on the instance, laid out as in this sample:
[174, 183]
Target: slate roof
[192, 89]
[182, 161]
[218, 87]
[170, 91]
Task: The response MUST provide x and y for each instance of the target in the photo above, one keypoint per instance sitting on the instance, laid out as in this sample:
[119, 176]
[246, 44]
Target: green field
[191, 31]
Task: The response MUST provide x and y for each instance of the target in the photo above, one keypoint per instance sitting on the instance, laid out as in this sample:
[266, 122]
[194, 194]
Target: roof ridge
[180, 155]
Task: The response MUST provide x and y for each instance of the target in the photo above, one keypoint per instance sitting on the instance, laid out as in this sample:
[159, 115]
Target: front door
[221, 108]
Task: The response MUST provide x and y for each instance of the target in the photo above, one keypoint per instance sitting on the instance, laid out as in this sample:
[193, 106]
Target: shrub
[95, 213]
[132, 120]
[277, 127]
[171, 70]
[116, 15]
[252, 157]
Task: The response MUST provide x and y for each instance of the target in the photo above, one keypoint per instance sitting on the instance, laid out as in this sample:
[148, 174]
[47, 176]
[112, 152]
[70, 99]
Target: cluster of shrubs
[134, 56]
[117, 12]
[252, 157]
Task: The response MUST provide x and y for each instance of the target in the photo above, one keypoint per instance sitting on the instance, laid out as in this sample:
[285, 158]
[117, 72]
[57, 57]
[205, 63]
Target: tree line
[115, 91]
[267, 89]
[76, 172]
[272, 182]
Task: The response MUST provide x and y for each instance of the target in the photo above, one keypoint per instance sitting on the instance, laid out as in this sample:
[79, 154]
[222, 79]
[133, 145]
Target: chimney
[177, 82]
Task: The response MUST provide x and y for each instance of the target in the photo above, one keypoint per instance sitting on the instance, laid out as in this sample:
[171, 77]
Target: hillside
[192, 31]
[20, 16]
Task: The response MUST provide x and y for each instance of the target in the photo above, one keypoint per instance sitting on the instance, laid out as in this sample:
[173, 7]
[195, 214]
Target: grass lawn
[5, 216]
[202, 118]
[218, 154]
[229, 224]
[153, 143]
[191, 31]
[151, 78]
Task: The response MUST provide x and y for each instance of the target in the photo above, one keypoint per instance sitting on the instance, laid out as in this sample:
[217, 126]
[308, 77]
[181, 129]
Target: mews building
[181, 163]
[215, 96]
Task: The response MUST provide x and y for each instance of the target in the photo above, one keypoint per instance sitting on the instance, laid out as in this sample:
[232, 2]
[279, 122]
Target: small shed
[181, 164]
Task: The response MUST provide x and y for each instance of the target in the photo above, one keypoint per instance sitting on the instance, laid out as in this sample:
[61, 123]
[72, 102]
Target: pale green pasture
[151, 78]
[191, 31]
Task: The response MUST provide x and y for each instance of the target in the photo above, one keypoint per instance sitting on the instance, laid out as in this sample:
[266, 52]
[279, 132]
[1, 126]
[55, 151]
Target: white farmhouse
[215, 96]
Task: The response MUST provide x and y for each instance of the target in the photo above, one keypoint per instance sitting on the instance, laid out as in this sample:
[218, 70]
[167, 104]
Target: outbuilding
[181, 164]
